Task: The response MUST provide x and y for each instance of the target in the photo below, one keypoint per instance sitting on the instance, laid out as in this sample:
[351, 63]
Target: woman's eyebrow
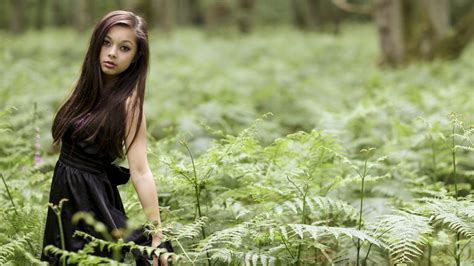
[123, 41]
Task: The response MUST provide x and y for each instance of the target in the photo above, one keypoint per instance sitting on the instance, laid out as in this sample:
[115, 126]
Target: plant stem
[453, 150]
[9, 195]
[360, 210]
[457, 252]
[433, 159]
[303, 218]
[287, 249]
[184, 252]
[197, 191]
[57, 210]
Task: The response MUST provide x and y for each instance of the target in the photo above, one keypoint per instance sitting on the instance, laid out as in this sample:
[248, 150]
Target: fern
[8, 250]
[228, 256]
[404, 234]
[176, 231]
[329, 210]
[79, 258]
[120, 245]
[317, 232]
[457, 215]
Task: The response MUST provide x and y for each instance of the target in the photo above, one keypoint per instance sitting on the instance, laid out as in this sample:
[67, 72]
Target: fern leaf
[403, 233]
[458, 215]
[7, 251]
[316, 232]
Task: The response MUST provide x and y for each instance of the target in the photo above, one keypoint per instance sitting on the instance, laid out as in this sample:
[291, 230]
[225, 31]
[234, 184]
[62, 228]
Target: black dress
[85, 176]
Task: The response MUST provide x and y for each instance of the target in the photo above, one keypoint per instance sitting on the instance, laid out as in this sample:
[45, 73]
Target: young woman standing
[101, 121]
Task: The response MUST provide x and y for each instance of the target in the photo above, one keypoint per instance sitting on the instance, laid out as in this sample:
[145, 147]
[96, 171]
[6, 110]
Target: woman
[103, 120]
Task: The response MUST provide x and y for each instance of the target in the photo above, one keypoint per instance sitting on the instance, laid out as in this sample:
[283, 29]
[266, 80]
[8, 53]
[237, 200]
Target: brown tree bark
[162, 14]
[451, 47]
[40, 8]
[17, 22]
[82, 16]
[389, 23]
[300, 14]
[245, 17]
[218, 14]
[58, 14]
[411, 30]
[196, 12]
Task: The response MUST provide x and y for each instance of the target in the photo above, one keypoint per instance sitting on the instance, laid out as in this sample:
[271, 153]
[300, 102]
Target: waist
[73, 156]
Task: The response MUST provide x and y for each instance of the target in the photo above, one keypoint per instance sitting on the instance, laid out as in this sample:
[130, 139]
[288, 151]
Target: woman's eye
[125, 48]
[106, 42]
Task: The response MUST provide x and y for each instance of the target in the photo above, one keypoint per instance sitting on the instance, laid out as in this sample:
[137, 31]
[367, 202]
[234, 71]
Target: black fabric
[86, 177]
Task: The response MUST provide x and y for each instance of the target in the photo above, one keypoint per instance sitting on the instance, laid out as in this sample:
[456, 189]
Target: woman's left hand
[156, 241]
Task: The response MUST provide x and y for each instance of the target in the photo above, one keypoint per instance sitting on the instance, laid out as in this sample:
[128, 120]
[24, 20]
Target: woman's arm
[141, 175]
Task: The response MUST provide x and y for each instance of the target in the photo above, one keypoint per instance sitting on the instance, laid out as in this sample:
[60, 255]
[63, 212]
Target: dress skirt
[88, 180]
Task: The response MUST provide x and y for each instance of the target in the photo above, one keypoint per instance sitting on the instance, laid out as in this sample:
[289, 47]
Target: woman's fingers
[163, 261]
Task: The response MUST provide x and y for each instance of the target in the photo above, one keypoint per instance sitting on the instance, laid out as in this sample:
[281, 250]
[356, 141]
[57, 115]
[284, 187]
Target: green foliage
[404, 234]
[457, 215]
[255, 148]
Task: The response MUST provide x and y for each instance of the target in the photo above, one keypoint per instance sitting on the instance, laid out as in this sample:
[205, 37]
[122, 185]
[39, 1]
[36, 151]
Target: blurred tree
[245, 12]
[58, 13]
[316, 14]
[17, 19]
[217, 14]
[82, 15]
[416, 29]
[163, 14]
[40, 15]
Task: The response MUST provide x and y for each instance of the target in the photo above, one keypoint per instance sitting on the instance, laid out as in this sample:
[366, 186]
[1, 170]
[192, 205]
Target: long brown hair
[97, 112]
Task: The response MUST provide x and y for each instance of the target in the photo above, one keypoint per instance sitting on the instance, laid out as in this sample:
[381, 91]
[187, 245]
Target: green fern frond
[322, 207]
[228, 256]
[179, 231]
[237, 207]
[79, 258]
[404, 234]
[8, 250]
[458, 215]
[119, 245]
[231, 236]
[316, 232]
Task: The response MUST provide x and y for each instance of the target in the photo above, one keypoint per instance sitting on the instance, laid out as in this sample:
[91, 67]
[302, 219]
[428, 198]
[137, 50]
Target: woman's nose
[112, 52]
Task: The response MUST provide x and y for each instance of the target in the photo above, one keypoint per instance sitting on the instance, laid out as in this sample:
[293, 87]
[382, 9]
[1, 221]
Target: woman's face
[118, 51]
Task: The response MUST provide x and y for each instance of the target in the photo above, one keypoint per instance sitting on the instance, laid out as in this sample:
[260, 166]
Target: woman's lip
[109, 64]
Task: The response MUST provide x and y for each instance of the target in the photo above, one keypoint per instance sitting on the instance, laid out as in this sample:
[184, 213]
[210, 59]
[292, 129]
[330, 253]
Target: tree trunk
[388, 19]
[163, 14]
[17, 24]
[300, 13]
[438, 13]
[417, 30]
[58, 16]
[196, 12]
[452, 46]
[218, 14]
[245, 18]
[39, 23]
[82, 15]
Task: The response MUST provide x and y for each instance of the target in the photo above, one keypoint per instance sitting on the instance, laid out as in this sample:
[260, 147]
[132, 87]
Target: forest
[280, 132]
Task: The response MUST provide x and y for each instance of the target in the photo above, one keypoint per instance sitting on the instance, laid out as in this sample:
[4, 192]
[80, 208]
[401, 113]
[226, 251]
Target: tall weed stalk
[57, 210]
[362, 175]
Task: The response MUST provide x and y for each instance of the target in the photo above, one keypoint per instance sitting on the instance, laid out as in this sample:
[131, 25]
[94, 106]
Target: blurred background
[225, 63]
[407, 29]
